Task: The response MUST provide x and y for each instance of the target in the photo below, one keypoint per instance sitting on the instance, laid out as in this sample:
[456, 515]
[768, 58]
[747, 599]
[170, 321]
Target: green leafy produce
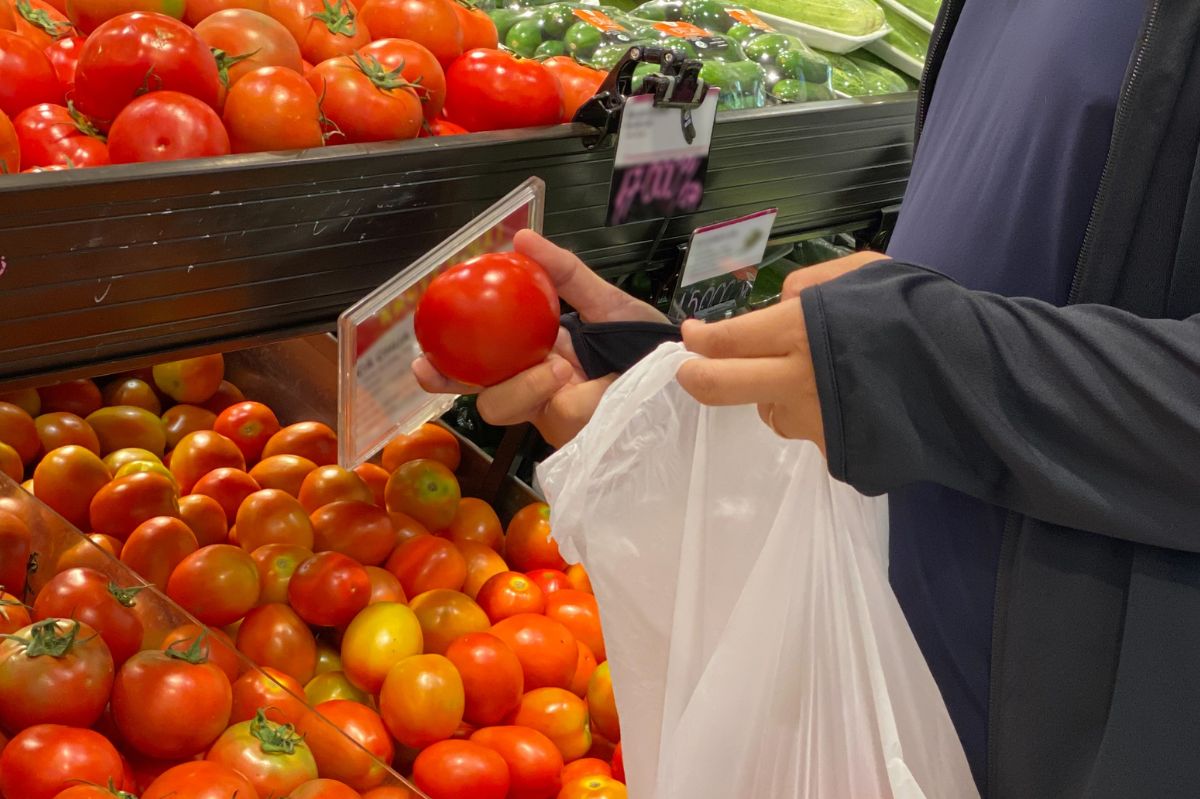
[925, 9]
[905, 36]
[849, 17]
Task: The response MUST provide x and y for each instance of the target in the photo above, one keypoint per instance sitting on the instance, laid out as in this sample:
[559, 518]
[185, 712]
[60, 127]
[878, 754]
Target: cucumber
[849, 17]
[880, 78]
[905, 36]
[925, 9]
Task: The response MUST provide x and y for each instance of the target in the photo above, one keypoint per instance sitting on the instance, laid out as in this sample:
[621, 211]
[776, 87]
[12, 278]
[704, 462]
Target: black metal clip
[677, 84]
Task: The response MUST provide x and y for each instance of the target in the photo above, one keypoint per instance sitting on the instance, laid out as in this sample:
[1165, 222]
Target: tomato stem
[41, 19]
[45, 639]
[225, 61]
[83, 124]
[274, 738]
[194, 654]
[126, 596]
[340, 23]
[385, 79]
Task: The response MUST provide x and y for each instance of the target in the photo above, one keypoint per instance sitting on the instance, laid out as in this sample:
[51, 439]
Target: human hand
[556, 395]
[763, 357]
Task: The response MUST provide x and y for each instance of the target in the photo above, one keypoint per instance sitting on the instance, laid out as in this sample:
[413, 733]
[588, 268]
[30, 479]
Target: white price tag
[721, 262]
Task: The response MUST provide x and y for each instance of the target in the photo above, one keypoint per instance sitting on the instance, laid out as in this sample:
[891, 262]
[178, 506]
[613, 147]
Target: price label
[657, 172]
[721, 264]
[378, 397]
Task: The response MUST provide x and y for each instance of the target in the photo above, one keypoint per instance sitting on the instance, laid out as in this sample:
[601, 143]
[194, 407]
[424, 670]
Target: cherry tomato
[406, 527]
[199, 453]
[364, 101]
[418, 66]
[94, 599]
[586, 767]
[324, 28]
[273, 757]
[18, 430]
[285, 472]
[475, 521]
[51, 135]
[80, 397]
[329, 589]
[550, 581]
[461, 770]
[248, 40]
[249, 425]
[431, 23]
[228, 485]
[493, 680]
[425, 490]
[199, 10]
[214, 645]
[27, 77]
[205, 517]
[132, 391]
[13, 614]
[201, 779]
[337, 758]
[577, 83]
[446, 615]
[172, 703]
[42, 761]
[378, 638]
[166, 126]
[119, 507]
[276, 565]
[325, 789]
[579, 613]
[10, 149]
[191, 584]
[384, 586]
[90, 14]
[331, 483]
[482, 564]
[268, 690]
[427, 562]
[421, 700]
[534, 763]
[312, 440]
[358, 529]
[560, 716]
[273, 635]
[376, 478]
[585, 667]
[273, 108]
[40, 22]
[546, 649]
[271, 516]
[428, 442]
[67, 479]
[493, 90]
[64, 57]
[529, 543]
[477, 27]
[65, 429]
[127, 426]
[508, 594]
[55, 671]
[114, 68]
[180, 420]
[486, 319]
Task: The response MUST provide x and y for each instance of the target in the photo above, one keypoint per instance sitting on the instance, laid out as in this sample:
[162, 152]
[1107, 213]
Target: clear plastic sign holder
[720, 266]
[378, 397]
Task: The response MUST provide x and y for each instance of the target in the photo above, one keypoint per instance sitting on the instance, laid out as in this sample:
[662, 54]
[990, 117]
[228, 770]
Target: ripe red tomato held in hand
[26, 76]
[166, 126]
[493, 90]
[484, 320]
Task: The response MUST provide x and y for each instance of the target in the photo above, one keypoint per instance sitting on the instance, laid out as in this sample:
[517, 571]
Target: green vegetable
[556, 20]
[741, 83]
[606, 56]
[768, 48]
[906, 37]
[524, 37]
[582, 40]
[740, 33]
[925, 9]
[850, 17]
[847, 77]
[706, 14]
[801, 62]
[504, 19]
[789, 90]
[890, 80]
[549, 48]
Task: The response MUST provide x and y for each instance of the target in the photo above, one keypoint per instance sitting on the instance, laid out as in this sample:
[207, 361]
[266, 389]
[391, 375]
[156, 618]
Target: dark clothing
[1083, 423]
[999, 197]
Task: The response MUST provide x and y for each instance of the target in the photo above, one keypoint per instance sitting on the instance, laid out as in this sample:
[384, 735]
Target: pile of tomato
[467, 656]
[86, 83]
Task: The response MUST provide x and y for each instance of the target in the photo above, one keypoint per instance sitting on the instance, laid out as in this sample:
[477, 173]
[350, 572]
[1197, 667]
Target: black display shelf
[121, 265]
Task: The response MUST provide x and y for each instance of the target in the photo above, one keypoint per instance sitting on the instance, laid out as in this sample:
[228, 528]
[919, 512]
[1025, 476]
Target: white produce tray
[822, 38]
[901, 61]
[908, 13]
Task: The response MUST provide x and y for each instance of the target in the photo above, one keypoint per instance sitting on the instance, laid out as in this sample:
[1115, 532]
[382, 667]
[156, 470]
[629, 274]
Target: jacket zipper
[1118, 137]
[948, 18]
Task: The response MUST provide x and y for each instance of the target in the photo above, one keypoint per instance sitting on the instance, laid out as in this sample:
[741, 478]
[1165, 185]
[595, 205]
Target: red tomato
[550, 581]
[594, 787]
[446, 615]
[10, 149]
[364, 101]
[40, 22]
[13, 614]
[183, 419]
[271, 516]
[225, 395]
[602, 704]
[324, 28]
[376, 640]
[477, 27]
[273, 635]
[483, 563]
[273, 108]
[384, 586]
[200, 10]
[285, 472]
[126, 53]
[428, 442]
[546, 649]
[389, 792]
[586, 767]
[44, 760]
[19, 431]
[534, 763]
[339, 759]
[276, 565]
[249, 425]
[94, 552]
[270, 690]
[376, 478]
[331, 483]
[94, 599]
[560, 716]
[192, 380]
[214, 645]
[228, 485]
[418, 66]
[461, 770]
[200, 779]
[579, 613]
[64, 57]
[579, 578]
[577, 83]
[585, 667]
[358, 529]
[248, 40]
[421, 700]
[312, 440]
[431, 23]
[509, 593]
[493, 681]
[65, 429]
[484, 320]
[206, 518]
[425, 490]
[199, 453]
[16, 543]
[325, 789]
[493, 90]
[406, 526]
[273, 757]
[27, 77]
[166, 126]
[444, 127]
[55, 671]
[618, 763]
[191, 584]
[128, 427]
[171, 704]
[329, 589]
[475, 521]
[10, 463]
[90, 14]
[529, 544]
[427, 562]
[80, 397]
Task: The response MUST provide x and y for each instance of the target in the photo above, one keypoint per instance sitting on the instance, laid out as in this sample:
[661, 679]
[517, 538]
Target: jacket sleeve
[1085, 416]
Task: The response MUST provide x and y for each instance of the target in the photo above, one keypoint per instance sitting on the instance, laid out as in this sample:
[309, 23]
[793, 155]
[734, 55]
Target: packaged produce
[857, 76]
[905, 36]
[925, 9]
[596, 36]
[847, 17]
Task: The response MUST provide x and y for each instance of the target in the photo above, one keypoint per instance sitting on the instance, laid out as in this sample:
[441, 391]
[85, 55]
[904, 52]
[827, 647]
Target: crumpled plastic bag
[756, 648]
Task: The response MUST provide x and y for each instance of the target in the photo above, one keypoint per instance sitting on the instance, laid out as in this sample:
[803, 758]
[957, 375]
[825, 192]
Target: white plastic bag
[757, 651]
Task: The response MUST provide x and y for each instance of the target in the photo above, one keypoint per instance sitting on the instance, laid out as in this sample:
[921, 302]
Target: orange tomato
[585, 767]
[580, 614]
[271, 516]
[461, 770]
[549, 580]
[156, 547]
[80, 397]
[425, 490]
[201, 452]
[93, 552]
[534, 763]
[378, 638]
[274, 635]
[560, 716]
[483, 563]
[594, 787]
[324, 789]
[18, 430]
[328, 658]
[133, 467]
[603, 704]
[16, 543]
[123, 504]
[206, 518]
[285, 472]
[446, 615]
[429, 441]
[123, 426]
[493, 680]
[179, 420]
[358, 529]
[250, 425]
[226, 394]
[276, 564]
[132, 391]
[546, 649]
[191, 584]
[61, 429]
[13, 616]
[509, 593]
[270, 690]
[10, 463]
[427, 562]
[389, 792]
[229, 487]
[331, 685]
[126, 455]
[406, 527]
[327, 484]
[216, 646]
[329, 589]
[67, 479]
[376, 478]
[579, 578]
[312, 440]
[585, 667]
[332, 740]
[27, 399]
[476, 521]
[421, 700]
[528, 543]
[384, 586]
[618, 763]
[190, 380]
